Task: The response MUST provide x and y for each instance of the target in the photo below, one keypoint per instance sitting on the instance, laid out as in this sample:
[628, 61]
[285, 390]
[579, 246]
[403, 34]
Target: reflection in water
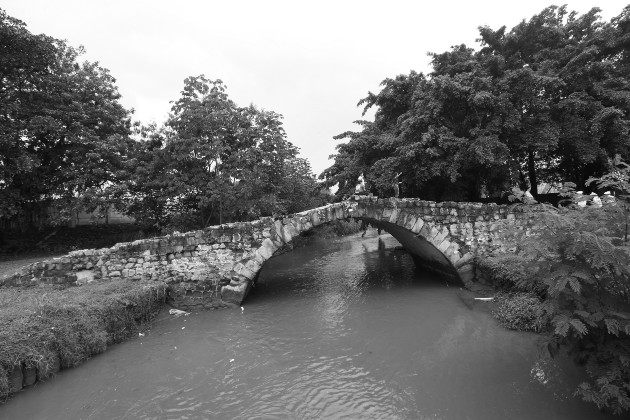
[333, 330]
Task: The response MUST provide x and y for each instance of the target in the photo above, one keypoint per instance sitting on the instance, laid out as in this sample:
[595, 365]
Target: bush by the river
[44, 330]
[510, 272]
[579, 267]
[518, 311]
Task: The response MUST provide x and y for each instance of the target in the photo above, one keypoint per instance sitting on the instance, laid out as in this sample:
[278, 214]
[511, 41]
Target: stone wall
[217, 266]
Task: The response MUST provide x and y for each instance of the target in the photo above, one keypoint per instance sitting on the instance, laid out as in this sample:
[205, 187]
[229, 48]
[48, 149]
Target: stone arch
[424, 252]
[426, 249]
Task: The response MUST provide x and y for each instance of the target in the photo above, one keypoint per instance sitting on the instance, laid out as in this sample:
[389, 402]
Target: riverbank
[45, 330]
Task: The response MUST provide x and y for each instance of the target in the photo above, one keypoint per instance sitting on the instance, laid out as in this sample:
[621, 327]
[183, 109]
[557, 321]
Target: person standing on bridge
[360, 189]
[395, 184]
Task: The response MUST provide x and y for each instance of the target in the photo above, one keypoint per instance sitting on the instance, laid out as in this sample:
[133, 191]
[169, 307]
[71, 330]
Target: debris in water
[141, 334]
[183, 328]
[231, 360]
[485, 299]
[177, 312]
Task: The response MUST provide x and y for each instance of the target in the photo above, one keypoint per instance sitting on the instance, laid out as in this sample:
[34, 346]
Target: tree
[213, 162]
[62, 129]
[572, 118]
[370, 152]
[544, 102]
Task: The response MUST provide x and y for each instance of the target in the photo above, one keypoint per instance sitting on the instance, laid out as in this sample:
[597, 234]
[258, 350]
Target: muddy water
[340, 330]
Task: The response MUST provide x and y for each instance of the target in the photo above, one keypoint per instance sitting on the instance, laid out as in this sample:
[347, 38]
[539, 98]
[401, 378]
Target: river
[338, 329]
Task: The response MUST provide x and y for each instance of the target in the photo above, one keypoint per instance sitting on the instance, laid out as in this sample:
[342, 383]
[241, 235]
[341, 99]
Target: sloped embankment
[45, 330]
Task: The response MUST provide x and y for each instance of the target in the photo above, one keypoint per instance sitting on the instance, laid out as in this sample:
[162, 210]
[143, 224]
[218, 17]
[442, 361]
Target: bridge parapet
[217, 266]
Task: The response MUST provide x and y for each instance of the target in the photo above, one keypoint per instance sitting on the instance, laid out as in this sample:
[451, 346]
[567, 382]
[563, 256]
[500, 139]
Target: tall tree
[62, 129]
[546, 101]
[214, 162]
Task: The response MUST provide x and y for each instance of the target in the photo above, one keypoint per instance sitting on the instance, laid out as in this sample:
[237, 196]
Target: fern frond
[579, 326]
[612, 325]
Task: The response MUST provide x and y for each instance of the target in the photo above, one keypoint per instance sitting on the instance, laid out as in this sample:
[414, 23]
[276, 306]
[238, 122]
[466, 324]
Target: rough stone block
[253, 266]
[85, 276]
[410, 222]
[386, 214]
[30, 376]
[16, 379]
[418, 225]
[467, 274]
[267, 249]
[465, 259]
[234, 294]
[393, 215]
[436, 236]
[425, 231]
[288, 233]
[443, 245]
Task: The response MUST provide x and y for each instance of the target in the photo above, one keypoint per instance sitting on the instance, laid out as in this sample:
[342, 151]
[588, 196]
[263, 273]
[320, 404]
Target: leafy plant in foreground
[585, 271]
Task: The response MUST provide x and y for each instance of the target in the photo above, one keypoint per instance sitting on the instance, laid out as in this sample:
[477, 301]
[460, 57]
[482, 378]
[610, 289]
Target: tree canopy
[67, 142]
[546, 101]
[213, 162]
[62, 129]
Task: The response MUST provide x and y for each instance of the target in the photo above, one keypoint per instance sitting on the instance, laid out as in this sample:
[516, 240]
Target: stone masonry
[218, 265]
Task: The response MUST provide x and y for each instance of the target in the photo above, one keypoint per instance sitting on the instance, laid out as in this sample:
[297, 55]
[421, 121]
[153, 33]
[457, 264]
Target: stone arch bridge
[217, 266]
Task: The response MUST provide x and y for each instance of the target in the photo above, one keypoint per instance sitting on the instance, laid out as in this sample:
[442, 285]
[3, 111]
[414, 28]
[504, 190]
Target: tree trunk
[531, 169]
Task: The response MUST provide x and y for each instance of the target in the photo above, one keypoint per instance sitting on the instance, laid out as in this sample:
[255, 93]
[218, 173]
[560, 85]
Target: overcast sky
[309, 61]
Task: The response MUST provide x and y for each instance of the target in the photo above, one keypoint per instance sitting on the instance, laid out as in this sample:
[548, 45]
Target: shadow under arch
[425, 255]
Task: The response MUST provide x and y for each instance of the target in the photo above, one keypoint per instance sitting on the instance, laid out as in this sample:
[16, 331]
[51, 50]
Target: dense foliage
[213, 162]
[586, 271]
[576, 273]
[66, 144]
[547, 101]
[62, 129]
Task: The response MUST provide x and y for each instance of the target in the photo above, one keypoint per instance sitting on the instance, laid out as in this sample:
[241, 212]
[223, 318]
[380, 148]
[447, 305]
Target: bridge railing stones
[217, 266]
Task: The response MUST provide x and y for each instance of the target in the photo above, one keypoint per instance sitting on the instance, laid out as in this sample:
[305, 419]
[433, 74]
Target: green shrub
[510, 273]
[518, 311]
[585, 271]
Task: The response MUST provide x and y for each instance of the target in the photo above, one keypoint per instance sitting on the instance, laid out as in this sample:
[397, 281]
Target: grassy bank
[45, 330]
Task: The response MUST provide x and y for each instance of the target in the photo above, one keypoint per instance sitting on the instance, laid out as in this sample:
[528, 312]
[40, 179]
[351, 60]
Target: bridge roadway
[217, 266]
